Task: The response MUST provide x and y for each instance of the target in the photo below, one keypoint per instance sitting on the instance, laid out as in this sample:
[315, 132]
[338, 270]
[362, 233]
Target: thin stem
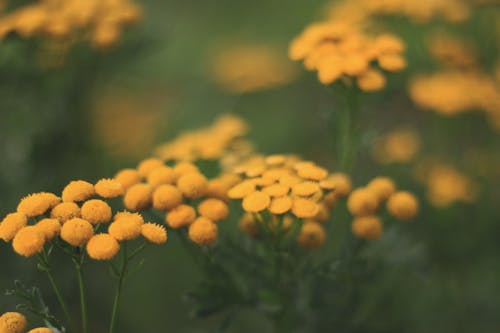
[347, 145]
[60, 298]
[81, 286]
[119, 287]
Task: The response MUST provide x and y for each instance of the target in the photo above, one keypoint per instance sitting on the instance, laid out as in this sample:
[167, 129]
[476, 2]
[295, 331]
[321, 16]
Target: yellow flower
[280, 205]
[125, 228]
[37, 204]
[166, 197]
[96, 211]
[77, 232]
[383, 187]
[181, 216]
[41, 330]
[203, 231]
[398, 146]
[128, 177]
[306, 189]
[313, 173]
[154, 233]
[362, 201]
[11, 224]
[50, 228]
[102, 247]
[256, 202]
[368, 227]
[371, 80]
[28, 241]
[65, 211]
[312, 235]
[135, 216]
[77, 190]
[138, 197]
[242, 190]
[249, 225]
[276, 190]
[304, 208]
[403, 205]
[213, 209]
[161, 175]
[13, 322]
[184, 168]
[392, 62]
[340, 183]
[109, 188]
[148, 165]
[192, 185]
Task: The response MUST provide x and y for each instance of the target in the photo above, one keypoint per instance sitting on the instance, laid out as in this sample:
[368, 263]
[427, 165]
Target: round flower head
[368, 227]
[138, 197]
[218, 188]
[312, 235]
[256, 202]
[242, 190]
[28, 241]
[77, 190]
[383, 187]
[148, 165]
[102, 247]
[280, 205]
[11, 224]
[213, 209]
[371, 80]
[203, 231]
[77, 231]
[183, 168]
[181, 216]
[312, 173]
[166, 197]
[392, 62]
[304, 208]
[275, 160]
[276, 190]
[50, 228]
[161, 175]
[41, 330]
[305, 189]
[96, 211]
[13, 322]
[403, 205]
[125, 228]
[109, 188]
[362, 201]
[341, 184]
[65, 211]
[192, 185]
[154, 233]
[37, 204]
[128, 177]
[248, 225]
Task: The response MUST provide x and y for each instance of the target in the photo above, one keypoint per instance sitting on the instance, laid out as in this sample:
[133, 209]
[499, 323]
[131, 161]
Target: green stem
[119, 287]
[60, 298]
[83, 300]
[347, 145]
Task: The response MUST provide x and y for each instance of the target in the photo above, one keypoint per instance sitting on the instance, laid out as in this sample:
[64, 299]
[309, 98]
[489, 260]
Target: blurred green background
[105, 110]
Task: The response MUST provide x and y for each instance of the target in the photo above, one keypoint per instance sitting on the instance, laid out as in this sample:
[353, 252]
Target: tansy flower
[312, 172]
[102, 247]
[28, 241]
[203, 231]
[125, 228]
[304, 208]
[78, 190]
[402, 205]
[13, 322]
[340, 182]
[312, 235]
[148, 165]
[154, 233]
[166, 197]
[280, 205]
[161, 175]
[362, 201]
[138, 197]
[242, 190]
[256, 202]
[398, 146]
[135, 216]
[192, 185]
[11, 224]
[368, 227]
[65, 211]
[96, 211]
[77, 231]
[128, 177]
[249, 225]
[41, 330]
[276, 190]
[38, 203]
[109, 188]
[50, 228]
[306, 189]
[180, 216]
[383, 187]
[371, 80]
[184, 168]
[213, 209]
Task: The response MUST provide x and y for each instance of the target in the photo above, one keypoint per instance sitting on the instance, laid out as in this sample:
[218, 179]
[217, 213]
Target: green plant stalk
[118, 290]
[83, 300]
[347, 145]
[60, 298]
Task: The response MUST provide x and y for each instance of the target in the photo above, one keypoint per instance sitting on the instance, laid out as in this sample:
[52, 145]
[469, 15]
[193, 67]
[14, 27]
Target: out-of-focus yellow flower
[28, 241]
[248, 68]
[256, 202]
[362, 202]
[145, 167]
[161, 175]
[398, 146]
[383, 187]
[203, 231]
[11, 224]
[368, 227]
[213, 209]
[154, 233]
[402, 205]
[192, 185]
[102, 247]
[13, 322]
[138, 197]
[166, 197]
[312, 235]
[180, 216]
[128, 177]
[451, 51]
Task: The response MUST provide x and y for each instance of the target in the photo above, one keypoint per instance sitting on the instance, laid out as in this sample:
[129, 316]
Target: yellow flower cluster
[365, 202]
[15, 322]
[104, 19]
[453, 92]
[284, 188]
[419, 11]
[340, 50]
[222, 139]
[398, 146]
[451, 51]
[446, 185]
[186, 196]
[75, 218]
[248, 68]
